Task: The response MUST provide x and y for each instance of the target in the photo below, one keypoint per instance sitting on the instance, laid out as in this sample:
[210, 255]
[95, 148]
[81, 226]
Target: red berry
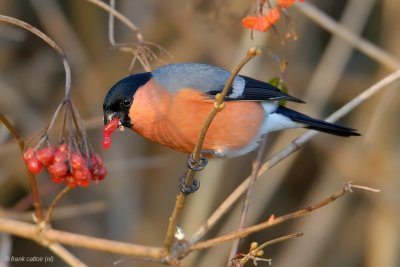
[82, 174]
[58, 169]
[83, 183]
[60, 156]
[95, 160]
[111, 126]
[71, 182]
[56, 179]
[29, 154]
[99, 173]
[77, 161]
[106, 141]
[34, 166]
[108, 130]
[46, 155]
[63, 148]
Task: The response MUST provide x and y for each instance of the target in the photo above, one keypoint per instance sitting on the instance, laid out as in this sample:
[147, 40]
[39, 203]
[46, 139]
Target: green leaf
[275, 81]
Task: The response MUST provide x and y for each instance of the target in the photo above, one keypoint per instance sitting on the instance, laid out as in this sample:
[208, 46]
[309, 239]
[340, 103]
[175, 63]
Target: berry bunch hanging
[70, 158]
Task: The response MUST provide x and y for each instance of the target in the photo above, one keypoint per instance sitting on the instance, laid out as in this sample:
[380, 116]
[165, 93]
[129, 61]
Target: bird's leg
[188, 189]
[197, 164]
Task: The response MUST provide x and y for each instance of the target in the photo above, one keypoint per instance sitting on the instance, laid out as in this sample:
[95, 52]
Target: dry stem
[252, 254]
[246, 205]
[54, 203]
[358, 42]
[30, 231]
[32, 179]
[269, 223]
[218, 106]
[119, 16]
[289, 149]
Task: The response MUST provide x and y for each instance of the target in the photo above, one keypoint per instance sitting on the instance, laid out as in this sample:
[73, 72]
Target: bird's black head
[120, 97]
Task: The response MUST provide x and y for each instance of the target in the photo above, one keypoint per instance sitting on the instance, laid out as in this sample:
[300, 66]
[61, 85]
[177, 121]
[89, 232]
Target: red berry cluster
[63, 165]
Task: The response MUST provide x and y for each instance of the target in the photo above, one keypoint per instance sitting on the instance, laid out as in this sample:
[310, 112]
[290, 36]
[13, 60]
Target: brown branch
[246, 204]
[269, 223]
[364, 46]
[54, 203]
[252, 255]
[45, 236]
[119, 16]
[67, 256]
[218, 106]
[60, 212]
[32, 179]
[289, 149]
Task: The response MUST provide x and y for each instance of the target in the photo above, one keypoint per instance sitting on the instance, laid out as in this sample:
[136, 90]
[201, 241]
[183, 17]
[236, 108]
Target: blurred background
[134, 202]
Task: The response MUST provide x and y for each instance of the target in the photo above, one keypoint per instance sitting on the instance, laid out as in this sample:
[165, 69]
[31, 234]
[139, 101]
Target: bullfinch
[170, 105]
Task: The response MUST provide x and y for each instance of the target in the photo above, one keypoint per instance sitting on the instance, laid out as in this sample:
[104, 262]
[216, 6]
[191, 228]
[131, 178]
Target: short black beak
[108, 116]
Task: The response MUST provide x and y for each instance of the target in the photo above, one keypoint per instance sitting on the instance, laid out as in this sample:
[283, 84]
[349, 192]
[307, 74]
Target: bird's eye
[126, 102]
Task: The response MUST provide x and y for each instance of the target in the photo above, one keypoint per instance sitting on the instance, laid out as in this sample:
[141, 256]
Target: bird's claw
[196, 164]
[188, 189]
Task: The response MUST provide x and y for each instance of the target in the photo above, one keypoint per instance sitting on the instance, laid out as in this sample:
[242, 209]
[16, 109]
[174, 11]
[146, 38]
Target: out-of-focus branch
[289, 149]
[54, 203]
[32, 179]
[347, 187]
[359, 43]
[67, 256]
[119, 16]
[47, 235]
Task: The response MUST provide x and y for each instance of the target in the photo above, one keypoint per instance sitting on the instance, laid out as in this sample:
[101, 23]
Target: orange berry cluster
[265, 22]
[66, 165]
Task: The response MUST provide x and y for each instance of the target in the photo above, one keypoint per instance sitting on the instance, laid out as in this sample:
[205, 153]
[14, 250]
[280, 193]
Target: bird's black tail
[318, 125]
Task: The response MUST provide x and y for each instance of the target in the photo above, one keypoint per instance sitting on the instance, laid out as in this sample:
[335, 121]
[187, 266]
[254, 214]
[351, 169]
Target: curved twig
[289, 149]
[218, 105]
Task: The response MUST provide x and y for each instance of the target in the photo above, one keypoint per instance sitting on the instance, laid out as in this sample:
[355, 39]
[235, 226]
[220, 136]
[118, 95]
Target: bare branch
[30, 231]
[218, 105]
[269, 223]
[289, 149]
[361, 44]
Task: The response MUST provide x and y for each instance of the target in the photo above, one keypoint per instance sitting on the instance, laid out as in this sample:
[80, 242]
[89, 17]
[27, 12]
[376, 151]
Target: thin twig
[277, 240]
[140, 50]
[111, 37]
[246, 205]
[30, 231]
[61, 212]
[289, 149]
[119, 16]
[252, 255]
[347, 187]
[65, 255]
[54, 203]
[218, 105]
[32, 179]
[361, 44]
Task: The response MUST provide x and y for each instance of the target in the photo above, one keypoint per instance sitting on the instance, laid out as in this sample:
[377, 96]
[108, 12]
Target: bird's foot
[196, 164]
[188, 189]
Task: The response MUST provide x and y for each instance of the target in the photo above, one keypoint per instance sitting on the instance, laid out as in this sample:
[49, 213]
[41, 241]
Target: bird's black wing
[255, 90]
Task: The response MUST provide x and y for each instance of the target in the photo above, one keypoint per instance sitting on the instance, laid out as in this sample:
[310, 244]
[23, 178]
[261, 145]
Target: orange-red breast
[170, 104]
